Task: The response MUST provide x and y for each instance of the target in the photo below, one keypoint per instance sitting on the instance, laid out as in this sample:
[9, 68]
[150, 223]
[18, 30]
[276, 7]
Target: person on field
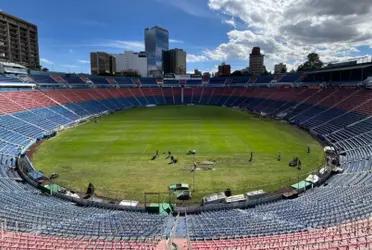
[251, 158]
[299, 165]
[156, 155]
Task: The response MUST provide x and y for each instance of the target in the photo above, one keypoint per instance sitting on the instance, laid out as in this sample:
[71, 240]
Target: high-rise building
[224, 70]
[280, 68]
[102, 63]
[18, 41]
[174, 61]
[156, 41]
[197, 72]
[256, 62]
[131, 62]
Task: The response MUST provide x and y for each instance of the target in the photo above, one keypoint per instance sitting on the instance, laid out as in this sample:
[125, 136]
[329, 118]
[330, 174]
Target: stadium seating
[264, 79]
[290, 78]
[217, 81]
[147, 81]
[354, 235]
[74, 79]
[8, 79]
[193, 82]
[332, 216]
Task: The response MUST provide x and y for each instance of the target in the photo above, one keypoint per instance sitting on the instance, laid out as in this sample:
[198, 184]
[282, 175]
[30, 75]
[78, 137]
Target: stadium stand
[193, 82]
[148, 81]
[292, 77]
[74, 79]
[336, 215]
[8, 79]
[264, 79]
[217, 81]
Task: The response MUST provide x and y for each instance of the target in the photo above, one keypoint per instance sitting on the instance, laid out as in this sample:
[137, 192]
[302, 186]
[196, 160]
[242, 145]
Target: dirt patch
[31, 150]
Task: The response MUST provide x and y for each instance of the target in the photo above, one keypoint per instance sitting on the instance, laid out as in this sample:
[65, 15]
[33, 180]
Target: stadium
[277, 160]
[334, 206]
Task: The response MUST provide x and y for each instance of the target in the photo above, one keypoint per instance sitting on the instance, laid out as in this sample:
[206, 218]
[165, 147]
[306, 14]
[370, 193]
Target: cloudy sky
[211, 31]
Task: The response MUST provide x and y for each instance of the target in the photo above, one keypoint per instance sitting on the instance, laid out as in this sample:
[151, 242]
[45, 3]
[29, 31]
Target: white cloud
[191, 58]
[191, 7]
[176, 41]
[287, 30]
[46, 61]
[122, 44]
[230, 22]
[83, 61]
[69, 66]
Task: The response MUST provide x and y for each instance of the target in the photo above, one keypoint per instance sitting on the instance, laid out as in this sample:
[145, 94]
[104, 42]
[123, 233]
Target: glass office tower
[156, 41]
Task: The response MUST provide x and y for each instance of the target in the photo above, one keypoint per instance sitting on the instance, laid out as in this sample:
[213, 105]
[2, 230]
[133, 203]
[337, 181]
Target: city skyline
[209, 31]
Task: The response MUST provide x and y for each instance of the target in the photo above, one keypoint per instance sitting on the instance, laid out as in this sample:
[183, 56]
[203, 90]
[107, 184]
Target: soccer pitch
[114, 153]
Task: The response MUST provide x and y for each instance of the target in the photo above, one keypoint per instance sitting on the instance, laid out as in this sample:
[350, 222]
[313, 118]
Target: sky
[210, 31]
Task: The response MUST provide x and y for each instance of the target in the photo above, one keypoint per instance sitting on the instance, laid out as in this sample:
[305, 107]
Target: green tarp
[302, 185]
[53, 188]
[159, 208]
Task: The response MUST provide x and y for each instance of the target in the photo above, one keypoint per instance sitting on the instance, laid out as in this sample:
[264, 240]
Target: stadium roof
[359, 66]
[10, 64]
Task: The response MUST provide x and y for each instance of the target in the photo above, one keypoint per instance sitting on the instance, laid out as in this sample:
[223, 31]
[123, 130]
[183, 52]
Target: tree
[266, 73]
[236, 73]
[313, 63]
[284, 69]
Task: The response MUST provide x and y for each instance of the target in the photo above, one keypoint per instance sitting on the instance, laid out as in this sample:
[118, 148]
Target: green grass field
[115, 153]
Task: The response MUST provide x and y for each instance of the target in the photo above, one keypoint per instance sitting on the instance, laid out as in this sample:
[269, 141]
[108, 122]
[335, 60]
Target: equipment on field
[181, 191]
[214, 198]
[257, 194]
[191, 152]
[290, 194]
[129, 203]
[235, 198]
[294, 162]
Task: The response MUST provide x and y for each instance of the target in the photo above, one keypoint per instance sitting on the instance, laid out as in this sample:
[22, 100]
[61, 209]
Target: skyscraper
[224, 69]
[280, 68]
[102, 63]
[156, 41]
[256, 62]
[131, 62]
[174, 61]
[18, 41]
